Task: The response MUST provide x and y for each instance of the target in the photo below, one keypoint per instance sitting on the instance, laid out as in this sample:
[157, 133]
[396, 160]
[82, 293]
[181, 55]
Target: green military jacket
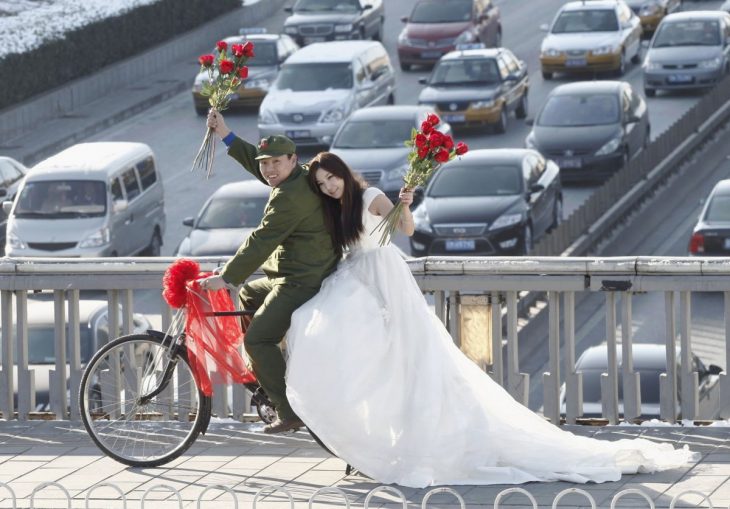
[292, 243]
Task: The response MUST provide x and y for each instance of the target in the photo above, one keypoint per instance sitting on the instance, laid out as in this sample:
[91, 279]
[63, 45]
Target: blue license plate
[576, 62]
[431, 54]
[569, 162]
[460, 245]
[300, 133]
[453, 118]
[680, 78]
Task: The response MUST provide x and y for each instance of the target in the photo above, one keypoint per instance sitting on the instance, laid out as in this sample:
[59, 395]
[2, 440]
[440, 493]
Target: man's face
[276, 170]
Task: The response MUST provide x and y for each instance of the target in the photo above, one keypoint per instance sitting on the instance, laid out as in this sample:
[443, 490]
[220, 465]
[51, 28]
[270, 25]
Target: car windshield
[232, 213]
[374, 134]
[649, 386]
[314, 77]
[465, 72]
[59, 199]
[688, 33]
[718, 209]
[265, 55]
[579, 110]
[588, 20]
[42, 349]
[326, 5]
[441, 11]
[482, 180]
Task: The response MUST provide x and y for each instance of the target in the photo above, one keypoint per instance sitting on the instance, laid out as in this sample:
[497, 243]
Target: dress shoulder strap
[369, 195]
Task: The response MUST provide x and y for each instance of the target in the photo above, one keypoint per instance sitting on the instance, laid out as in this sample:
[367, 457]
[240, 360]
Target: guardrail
[452, 281]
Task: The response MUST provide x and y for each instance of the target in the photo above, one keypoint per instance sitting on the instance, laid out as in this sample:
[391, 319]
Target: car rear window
[441, 11]
[579, 110]
[374, 134]
[588, 20]
[314, 77]
[465, 181]
[468, 71]
[232, 213]
[718, 209]
[688, 33]
[60, 199]
[326, 5]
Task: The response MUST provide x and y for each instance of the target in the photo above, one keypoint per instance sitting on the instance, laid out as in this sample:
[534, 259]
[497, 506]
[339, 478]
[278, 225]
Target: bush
[88, 49]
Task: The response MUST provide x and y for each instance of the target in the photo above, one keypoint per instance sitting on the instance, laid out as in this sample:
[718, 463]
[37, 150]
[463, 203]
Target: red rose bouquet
[430, 148]
[225, 71]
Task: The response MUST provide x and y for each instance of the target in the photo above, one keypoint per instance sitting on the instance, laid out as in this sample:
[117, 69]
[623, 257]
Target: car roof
[475, 54]
[233, 39]
[245, 188]
[330, 52]
[494, 155]
[689, 15]
[592, 5]
[588, 87]
[645, 356]
[390, 112]
[722, 187]
[103, 157]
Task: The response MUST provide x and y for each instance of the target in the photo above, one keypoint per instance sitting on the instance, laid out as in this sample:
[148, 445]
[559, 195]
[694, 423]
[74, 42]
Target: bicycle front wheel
[122, 416]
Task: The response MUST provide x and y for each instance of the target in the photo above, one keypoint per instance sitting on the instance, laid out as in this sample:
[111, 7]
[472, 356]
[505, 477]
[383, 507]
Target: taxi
[651, 12]
[591, 36]
[476, 86]
[270, 51]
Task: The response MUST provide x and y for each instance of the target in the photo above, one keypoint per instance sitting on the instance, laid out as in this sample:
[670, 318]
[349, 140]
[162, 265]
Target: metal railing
[449, 279]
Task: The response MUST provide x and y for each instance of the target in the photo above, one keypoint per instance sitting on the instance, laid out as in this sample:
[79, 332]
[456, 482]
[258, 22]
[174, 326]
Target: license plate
[431, 54]
[453, 118]
[569, 162]
[680, 78]
[310, 40]
[460, 245]
[300, 133]
[727, 243]
[576, 62]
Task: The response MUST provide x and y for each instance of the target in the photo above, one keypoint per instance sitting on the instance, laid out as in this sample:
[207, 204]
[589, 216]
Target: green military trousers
[274, 304]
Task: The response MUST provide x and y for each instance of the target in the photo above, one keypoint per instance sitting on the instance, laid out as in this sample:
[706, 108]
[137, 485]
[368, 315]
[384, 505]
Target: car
[711, 233]
[590, 128]
[94, 333]
[650, 361]
[725, 6]
[225, 220]
[435, 27]
[271, 51]
[321, 85]
[596, 36]
[488, 202]
[371, 141]
[335, 20]
[478, 87]
[12, 174]
[689, 50]
[651, 12]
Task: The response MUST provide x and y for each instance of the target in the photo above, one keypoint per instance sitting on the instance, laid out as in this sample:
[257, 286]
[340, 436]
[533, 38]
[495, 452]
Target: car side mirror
[423, 80]
[288, 9]
[511, 77]
[188, 221]
[713, 369]
[7, 207]
[530, 121]
[404, 19]
[536, 188]
[366, 85]
[483, 17]
[418, 194]
[120, 206]
[645, 44]
[3, 193]
[367, 6]
[634, 118]
[544, 27]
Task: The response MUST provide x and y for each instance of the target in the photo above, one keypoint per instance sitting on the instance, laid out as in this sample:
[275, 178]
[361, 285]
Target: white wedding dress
[376, 376]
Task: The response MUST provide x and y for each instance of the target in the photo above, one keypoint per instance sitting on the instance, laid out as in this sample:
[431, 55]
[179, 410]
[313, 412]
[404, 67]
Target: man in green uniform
[293, 247]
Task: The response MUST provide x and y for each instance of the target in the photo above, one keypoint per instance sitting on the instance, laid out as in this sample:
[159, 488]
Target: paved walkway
[241, 458]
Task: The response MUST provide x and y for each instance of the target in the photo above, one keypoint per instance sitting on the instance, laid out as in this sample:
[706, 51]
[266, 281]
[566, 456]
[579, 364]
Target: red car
[435, 27]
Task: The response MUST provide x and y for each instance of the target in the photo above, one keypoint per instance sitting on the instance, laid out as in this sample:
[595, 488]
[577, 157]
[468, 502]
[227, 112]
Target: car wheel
[527, 240]
[361, 34]
[622, 65]
[379, 34]
[649, 92]
[501, 126]
[521, 111]
[647, 139]
[547, 75]
[557, 213]
[405, 67]
[391, 99]
[155, 245]
[637, 57]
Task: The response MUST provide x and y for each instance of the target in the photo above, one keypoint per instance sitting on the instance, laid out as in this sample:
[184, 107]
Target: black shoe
[282, 426]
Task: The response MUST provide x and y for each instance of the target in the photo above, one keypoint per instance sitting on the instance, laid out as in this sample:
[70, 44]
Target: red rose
[426, 127]
[448, 143]
[206, 60]
[237, 50]
[243, 72]
[226, 67]
[222, 46]
[461, 148]
[441, 156]
[436, 139]
[433, 119]
[248, 50]
[421, 140]
[423, 152]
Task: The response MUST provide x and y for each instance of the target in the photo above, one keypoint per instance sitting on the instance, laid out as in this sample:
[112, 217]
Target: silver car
[689, 50]
[371, 142]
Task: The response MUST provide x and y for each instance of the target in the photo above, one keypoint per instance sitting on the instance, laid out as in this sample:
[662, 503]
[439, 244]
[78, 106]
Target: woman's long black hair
[343, 217]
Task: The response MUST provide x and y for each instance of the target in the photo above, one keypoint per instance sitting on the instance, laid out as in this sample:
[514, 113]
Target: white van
[320, 85]
[92, 199]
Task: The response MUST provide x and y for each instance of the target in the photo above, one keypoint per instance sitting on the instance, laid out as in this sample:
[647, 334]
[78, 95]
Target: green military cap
[275, 145]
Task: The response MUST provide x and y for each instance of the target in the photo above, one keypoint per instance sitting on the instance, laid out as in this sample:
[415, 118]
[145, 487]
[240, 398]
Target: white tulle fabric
[377, 377]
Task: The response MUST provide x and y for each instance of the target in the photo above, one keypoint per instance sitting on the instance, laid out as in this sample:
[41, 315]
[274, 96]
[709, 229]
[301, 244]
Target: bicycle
[139, 401]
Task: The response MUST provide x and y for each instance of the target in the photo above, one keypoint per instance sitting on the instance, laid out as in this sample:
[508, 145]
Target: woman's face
[330, 185]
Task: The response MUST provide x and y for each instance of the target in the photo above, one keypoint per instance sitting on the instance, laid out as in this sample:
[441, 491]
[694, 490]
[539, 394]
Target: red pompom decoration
[174, 282]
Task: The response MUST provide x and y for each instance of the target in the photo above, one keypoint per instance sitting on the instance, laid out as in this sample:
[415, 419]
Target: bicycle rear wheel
[134, 430]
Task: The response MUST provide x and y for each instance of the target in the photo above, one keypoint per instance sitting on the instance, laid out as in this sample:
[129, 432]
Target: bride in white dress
[376, 376]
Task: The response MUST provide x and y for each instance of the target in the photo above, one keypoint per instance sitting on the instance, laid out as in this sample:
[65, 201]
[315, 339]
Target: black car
[335, 20]
[488, 202]
[711, 234]
[12, 174]
[591, 128]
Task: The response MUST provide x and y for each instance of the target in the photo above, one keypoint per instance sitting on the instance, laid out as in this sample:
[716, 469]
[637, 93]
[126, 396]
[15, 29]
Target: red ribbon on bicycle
[213, 342]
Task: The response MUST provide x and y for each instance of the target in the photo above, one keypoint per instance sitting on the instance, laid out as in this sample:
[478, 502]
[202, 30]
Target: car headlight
[478, 105]
[551, 52]
[397, 173]
[506, 220]
[291, 30]
[15, 242]
[336, 114]
[262, 83]
[710, 64]
[651, 66]
[610, 147]
[605, 50]
[530, 141]
[465, 37]
[267, 117]
[341, 29]
[403, 38]
[650, 9]
[96, 239]
[421, 221]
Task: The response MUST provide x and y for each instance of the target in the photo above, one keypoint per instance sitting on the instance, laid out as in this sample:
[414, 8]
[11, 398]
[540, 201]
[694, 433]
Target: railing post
[690, 377]
[573, 380]
[112, 384]
[497, 367]
[57, 377]
[519, 383]
[724, 376]
[551, 379]
[454, 319]
[439, 302]
[75, 353]
[668, 380]
[609, 380]
[6, 388]
[631, 380]
[26, 376]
